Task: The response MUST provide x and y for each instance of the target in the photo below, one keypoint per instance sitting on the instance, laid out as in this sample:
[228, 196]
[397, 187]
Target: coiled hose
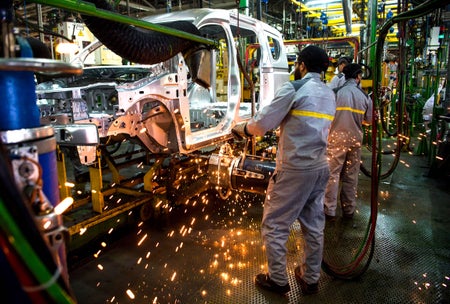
[136, 44]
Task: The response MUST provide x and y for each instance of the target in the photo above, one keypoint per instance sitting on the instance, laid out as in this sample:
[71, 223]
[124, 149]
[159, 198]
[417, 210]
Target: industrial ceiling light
[66, 48]
[354, 25]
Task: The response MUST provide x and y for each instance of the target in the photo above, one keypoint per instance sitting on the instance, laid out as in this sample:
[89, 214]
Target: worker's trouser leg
[349, 180]
[291, 196]
[336, 161]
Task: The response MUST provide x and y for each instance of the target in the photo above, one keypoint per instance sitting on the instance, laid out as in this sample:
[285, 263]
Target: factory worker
[339, 79]
[304, 110]
[353, 108]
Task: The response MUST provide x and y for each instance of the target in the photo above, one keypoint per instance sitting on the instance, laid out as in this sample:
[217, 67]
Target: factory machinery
[167, 123]
[133, 140]
[86, 145]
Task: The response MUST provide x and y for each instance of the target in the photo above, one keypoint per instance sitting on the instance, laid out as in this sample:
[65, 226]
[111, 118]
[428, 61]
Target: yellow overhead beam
[329, 14]
[317, 8]
[299, 4]
[304, 8]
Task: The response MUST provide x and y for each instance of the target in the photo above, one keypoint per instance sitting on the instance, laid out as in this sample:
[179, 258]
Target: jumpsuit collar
[311, 75]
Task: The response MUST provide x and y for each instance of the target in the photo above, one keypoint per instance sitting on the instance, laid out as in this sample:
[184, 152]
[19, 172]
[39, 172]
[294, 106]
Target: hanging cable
[401, 119]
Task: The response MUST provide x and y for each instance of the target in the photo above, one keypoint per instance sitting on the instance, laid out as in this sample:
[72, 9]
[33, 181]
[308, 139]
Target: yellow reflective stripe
[312, 114]
[350, 109]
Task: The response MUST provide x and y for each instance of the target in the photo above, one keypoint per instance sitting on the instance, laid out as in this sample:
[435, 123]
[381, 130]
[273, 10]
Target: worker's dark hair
[352, 70]
[343, 60]
[315, 59]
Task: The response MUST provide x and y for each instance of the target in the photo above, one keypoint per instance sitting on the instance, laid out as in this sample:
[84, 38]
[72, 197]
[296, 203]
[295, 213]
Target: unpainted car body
[182, 105]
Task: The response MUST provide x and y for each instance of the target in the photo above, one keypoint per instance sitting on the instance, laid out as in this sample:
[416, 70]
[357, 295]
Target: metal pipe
[373, 21]
[40, 22]
[347, 9]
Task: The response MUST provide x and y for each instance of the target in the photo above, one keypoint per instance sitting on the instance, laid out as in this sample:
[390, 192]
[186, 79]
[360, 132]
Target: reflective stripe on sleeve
[312, 114]
[350, 109]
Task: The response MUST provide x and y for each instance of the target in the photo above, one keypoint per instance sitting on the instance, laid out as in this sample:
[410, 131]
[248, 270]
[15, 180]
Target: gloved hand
[240, 131]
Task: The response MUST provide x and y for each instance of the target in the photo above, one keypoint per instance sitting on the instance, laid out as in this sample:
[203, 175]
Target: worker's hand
[239, 130]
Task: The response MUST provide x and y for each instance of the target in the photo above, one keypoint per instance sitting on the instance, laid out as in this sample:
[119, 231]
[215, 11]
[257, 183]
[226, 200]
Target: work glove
[240, 131]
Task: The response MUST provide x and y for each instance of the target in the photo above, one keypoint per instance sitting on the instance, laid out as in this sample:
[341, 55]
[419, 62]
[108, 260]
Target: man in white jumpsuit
[304, 110]
[338, 80]
[353, 107]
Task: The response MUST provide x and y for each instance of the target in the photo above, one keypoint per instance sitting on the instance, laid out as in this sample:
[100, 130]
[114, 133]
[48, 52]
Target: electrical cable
[250, 83]
[42, 29]
[22, 274]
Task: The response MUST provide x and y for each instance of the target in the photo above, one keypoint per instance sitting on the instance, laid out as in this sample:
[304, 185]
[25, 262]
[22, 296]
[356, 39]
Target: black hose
[391, 169]
[136, 44]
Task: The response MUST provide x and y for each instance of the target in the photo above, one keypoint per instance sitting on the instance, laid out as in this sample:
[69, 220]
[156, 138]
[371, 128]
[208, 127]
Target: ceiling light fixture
[66, 48]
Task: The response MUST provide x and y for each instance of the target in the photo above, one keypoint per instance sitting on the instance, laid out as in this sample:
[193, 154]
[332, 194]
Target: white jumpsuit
[344, 146]
[297, 188]
[337, 81]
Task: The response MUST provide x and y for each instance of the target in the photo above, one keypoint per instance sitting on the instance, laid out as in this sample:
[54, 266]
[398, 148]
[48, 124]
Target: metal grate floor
[208, 251]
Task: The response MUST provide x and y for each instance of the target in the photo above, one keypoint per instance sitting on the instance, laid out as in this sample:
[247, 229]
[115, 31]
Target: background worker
[339, 79]
[304, 110]
[353, 107]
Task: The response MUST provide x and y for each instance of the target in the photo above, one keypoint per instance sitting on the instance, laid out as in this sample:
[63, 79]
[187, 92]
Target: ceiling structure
[296, 19]
[287, 15]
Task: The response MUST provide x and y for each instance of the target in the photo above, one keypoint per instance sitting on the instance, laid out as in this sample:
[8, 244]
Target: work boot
[263, 281]
[306, 288]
